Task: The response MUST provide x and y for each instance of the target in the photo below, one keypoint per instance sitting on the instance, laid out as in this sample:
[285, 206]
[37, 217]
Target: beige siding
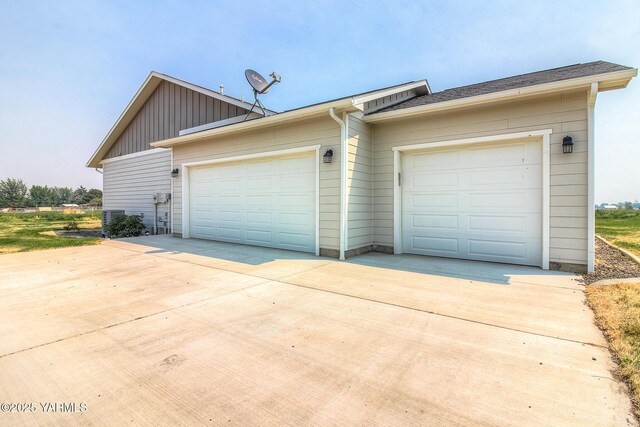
[360, 190]
[565, 114]
[170, 109]
[129, 183]
[323, 131]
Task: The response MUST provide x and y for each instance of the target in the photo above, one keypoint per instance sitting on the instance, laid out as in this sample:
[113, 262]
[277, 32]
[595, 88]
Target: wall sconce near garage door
[567, 145]
[174, 173]
[327, 157]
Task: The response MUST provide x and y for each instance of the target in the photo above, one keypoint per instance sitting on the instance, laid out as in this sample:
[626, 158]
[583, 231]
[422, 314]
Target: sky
[68, 69]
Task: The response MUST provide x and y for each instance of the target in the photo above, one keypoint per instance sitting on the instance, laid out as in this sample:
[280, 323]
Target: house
[610, 207]
[497, 171]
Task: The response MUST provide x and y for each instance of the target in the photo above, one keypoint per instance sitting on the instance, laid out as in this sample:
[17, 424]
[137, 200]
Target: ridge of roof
[512, 82]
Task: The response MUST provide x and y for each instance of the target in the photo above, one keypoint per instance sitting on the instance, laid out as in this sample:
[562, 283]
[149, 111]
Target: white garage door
[263, 202]
[478, 202]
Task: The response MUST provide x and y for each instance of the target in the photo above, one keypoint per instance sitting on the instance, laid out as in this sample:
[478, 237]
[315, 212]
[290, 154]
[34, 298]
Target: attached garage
[478, 199]
[267, 200]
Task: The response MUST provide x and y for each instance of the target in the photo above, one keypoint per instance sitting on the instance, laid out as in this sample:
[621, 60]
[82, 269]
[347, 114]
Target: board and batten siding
[322, 131]
[170, 109]
[387, 101]
[360, 184]
[130, 182]
[565, 114]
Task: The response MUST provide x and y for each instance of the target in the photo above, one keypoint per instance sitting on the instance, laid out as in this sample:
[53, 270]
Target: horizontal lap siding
[565, 114]
[360, 188]
[322, 131]
[170, 109]
[130, 183]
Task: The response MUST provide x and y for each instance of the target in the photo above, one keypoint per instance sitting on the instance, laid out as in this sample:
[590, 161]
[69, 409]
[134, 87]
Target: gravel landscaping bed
[611, 264]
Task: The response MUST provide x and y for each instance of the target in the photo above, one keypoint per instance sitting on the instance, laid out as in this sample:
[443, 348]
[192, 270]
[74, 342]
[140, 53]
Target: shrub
[125, 226]
[72, 225]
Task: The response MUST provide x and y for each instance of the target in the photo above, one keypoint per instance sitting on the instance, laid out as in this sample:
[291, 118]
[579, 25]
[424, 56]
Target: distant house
[497, 171]
[610, 207]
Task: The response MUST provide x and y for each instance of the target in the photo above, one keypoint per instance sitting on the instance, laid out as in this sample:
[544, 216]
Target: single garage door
[264, 202]
[479, 202]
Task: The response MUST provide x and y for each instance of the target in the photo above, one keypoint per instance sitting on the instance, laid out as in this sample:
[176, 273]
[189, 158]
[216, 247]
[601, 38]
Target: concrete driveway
[163, 331]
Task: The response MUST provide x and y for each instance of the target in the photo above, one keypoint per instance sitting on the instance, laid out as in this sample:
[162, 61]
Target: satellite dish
[260, 86]
[257, 82]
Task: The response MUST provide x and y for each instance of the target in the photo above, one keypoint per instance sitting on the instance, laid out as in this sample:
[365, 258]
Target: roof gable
[122, 134]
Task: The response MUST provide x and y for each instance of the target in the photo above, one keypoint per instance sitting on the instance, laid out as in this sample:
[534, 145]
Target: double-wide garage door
[477, 202]
[264, 202]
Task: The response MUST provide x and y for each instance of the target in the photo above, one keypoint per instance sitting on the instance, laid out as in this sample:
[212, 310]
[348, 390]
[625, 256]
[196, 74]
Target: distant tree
[40, 196]
[63, 195]
[96, 201]
[13, 193]
[92, 194]
[79, 195]
[628, 206]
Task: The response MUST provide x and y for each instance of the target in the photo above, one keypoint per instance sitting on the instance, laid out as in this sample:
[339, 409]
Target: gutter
[591, 213]
[607, 81]
[344, 147]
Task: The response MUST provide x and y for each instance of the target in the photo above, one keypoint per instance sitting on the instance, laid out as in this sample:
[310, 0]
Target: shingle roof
[515, 82]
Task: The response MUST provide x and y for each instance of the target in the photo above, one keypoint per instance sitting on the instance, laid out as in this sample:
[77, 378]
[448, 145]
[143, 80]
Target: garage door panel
[493, 248]
[435, 222]
[499, 223]
[299, 201]
[433, 181]
[436, 160]
[263, 201]
[258, 217]
[227, 216]
[294, 219]
[502, 200]
[262, 183]
[489, 209]
[433, 200]
[266, 202]
[259, 237]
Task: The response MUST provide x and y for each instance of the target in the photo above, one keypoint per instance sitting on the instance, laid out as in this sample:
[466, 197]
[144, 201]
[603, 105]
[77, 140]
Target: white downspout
[343, 179]
[591, 214]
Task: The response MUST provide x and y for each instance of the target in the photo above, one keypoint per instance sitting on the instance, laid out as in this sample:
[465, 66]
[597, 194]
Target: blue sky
[68, 69]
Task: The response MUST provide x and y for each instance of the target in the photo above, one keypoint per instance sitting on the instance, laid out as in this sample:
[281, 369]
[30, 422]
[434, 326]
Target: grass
[622, 228]
[617, 310]
[21, 232]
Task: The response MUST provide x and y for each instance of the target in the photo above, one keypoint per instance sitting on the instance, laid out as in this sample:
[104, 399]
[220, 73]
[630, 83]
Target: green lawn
[21, 232]
[622, 228]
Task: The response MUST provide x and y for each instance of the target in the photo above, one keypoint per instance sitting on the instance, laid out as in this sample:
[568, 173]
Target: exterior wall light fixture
[567, 145]
[174, 173]
[327, 157]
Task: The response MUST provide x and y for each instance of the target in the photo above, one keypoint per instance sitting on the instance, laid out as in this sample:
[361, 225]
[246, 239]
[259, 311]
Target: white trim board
[133, 155]
[542, 135]
[187, 166]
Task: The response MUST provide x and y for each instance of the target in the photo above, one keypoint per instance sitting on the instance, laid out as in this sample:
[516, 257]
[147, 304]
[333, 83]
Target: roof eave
[345, 104]
[606, 81]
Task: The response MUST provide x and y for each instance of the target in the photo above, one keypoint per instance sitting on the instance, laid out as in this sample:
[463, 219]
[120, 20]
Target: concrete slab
[161, 331]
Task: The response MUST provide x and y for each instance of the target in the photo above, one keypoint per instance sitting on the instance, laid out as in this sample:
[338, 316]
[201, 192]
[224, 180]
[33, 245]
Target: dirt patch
[611, 264]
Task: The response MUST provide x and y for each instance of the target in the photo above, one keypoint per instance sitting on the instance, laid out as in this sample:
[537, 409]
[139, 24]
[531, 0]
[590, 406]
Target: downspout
[591, 214]
[343, 179]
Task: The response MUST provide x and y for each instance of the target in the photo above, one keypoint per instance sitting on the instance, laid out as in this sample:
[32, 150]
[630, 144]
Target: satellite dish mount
[260, 86]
